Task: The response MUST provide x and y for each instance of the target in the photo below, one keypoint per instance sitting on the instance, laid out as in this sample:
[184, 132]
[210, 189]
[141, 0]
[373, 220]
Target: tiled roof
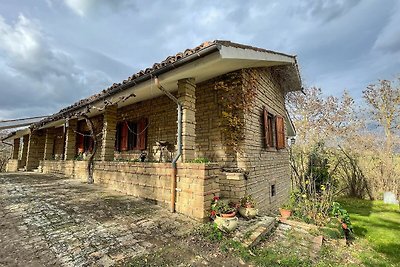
[146, 73]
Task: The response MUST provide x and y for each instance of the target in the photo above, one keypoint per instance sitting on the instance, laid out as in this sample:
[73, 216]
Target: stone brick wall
[58, 149]
[266, 167]
[208, 122]
[161, 115]
[35, 149]
[196, 183]
[70, 168]
[12, 165]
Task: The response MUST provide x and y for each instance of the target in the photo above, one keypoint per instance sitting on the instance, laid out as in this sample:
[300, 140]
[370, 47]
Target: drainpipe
[179, 141]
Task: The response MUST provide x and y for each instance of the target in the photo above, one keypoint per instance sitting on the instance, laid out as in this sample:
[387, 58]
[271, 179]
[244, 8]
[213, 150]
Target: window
[131, 135]
[273, 190]
[280, 133]
[269, 124]
[274, 130]
[84, 143]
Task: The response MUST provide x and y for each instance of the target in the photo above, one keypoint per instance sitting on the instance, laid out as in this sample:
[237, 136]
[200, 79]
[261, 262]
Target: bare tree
[383, 102]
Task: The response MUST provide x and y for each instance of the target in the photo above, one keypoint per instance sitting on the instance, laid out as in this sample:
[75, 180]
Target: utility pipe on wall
[179, 142]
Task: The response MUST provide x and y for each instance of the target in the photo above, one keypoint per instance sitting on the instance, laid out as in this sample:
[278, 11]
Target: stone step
[252, 231]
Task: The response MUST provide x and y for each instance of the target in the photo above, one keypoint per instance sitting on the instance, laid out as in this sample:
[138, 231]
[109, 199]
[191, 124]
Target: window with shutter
[268, 119]
[124, 137]
[142, 133]
[280, 133]
[79, 143]
[131, 135]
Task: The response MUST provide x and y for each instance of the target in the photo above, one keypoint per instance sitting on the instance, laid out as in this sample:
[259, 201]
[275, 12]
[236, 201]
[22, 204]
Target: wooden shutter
[124, 137]
[280, 132]
[142, 134]
[80, 143]
[266, 128]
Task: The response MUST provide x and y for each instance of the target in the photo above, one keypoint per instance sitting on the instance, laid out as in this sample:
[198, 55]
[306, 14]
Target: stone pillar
[187, 97]
[35, 149]
[25, 141]
[70, 139]
[15, 152]
[109, 131]
[49, 144]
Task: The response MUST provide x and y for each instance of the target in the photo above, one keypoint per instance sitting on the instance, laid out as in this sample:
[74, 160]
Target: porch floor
[49, 220]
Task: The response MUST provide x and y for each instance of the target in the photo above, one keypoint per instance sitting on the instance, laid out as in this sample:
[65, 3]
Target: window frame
[131, 135]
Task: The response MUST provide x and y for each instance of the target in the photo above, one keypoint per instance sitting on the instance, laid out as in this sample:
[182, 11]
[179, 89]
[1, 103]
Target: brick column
[187, 97]
[70, 139]
[16, 148]
[25, 141]
[109, 131]
[35, 149]
[49, 144]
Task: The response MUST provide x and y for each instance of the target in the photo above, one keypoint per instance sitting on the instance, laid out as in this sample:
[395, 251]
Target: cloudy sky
[54, 52]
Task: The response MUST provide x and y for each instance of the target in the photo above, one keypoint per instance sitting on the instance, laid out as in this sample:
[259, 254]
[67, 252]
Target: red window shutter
[266, 128]
[142, 134]
[80, 143]
[280, 132]
[124, 137]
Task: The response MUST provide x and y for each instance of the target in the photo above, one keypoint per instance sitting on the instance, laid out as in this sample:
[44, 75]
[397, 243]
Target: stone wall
[58, 149]
[161, 116]
[265, 166]
[70, 168]
[196, 183]
[12, 165]
[35, 149]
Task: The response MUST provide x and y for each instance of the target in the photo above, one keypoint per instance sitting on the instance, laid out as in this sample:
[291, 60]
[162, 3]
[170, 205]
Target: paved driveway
[48, 220]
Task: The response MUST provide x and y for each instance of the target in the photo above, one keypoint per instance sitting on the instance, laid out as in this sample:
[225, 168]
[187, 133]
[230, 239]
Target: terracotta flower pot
[285, 213]
[228, 215]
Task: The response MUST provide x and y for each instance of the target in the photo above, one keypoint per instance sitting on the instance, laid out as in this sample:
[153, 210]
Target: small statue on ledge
[143, 156]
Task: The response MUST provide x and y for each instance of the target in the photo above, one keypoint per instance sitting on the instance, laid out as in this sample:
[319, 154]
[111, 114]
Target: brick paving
[48, 220]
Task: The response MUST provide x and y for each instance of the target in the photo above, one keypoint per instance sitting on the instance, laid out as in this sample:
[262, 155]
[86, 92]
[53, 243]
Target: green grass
[377, 227]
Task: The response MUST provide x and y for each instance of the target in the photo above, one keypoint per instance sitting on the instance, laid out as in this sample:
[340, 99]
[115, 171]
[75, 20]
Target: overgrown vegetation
[235, 99]
[361, 144]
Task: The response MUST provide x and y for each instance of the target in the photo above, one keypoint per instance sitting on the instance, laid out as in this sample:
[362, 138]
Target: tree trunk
[90, 165]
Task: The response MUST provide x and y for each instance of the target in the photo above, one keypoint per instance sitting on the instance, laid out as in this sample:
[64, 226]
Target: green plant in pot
[223, 214]
[286, 211]
[247, 207]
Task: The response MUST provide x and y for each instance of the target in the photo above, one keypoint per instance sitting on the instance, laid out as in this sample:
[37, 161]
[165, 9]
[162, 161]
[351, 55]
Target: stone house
[220, 106]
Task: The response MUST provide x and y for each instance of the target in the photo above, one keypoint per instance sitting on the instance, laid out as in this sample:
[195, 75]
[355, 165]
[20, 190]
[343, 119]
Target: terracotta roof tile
[170, 60]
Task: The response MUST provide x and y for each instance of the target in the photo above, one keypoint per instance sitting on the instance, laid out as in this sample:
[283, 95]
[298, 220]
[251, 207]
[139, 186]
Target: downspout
[179, 143]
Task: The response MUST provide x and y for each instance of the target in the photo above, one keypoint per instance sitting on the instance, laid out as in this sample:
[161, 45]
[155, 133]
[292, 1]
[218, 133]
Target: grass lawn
[377, 228]
[377, 243]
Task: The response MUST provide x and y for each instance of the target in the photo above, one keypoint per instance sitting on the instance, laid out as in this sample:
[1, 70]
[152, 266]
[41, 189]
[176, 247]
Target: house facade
[217, 112]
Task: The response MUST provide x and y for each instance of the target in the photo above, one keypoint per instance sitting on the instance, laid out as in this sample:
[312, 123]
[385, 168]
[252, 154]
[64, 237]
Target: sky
[55, 52]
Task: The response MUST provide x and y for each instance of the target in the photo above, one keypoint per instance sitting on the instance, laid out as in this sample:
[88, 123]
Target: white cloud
[35, 72]
[80, 7]
[389, 38]
[84, 7]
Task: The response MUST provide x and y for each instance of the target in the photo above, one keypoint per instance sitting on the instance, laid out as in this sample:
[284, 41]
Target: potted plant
[248, 207]
[286, 211]
[223, 214]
